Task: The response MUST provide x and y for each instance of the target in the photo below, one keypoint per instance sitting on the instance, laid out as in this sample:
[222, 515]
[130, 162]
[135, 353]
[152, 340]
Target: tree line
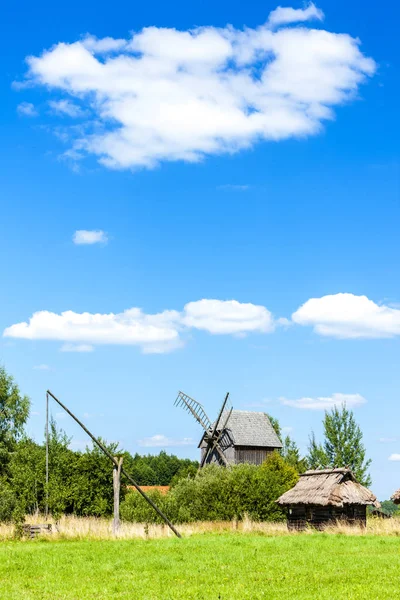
[80, 482]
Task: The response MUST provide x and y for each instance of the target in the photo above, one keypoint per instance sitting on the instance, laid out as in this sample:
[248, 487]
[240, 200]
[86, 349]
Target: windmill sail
[195, 408]
[215, 434]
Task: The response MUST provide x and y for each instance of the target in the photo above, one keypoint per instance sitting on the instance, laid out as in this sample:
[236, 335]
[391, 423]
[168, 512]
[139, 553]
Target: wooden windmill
[216, 439]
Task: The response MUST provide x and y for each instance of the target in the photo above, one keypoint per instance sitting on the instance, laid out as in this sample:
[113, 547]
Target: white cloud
[283, 15]
[326, 403]
[349, 316]
[387, 440]
[42, 367]
[153, 333]
[61, 416]
[167, 95]
[162, 441]
[229, 316]
[76, 348]
[86, 237]
[27, 109]
[66, 107]
[103, 45]
[395, 457]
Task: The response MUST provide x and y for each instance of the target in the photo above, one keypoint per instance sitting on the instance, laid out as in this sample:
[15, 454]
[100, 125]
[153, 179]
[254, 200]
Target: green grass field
[210, 566]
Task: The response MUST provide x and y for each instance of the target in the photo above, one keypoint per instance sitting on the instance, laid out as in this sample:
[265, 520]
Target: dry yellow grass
[91, 528]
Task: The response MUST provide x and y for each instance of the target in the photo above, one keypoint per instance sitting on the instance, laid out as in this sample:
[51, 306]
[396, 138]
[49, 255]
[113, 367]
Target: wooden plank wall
[251, 454]
[319, 516]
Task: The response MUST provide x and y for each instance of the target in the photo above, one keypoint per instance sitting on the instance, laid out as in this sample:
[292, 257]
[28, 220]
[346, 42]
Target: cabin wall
[298, 516]
[251, 454]
[215, 459]
[238, 454]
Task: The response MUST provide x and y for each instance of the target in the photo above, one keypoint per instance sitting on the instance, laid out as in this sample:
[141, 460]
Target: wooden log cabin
[325, 496]
[248, 438]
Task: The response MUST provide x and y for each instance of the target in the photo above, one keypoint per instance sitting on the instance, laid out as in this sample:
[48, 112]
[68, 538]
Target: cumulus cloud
[395, 457]
[153, 333]
[162, 441]
[27, 109]
[326, 402]
[229, 316]
[349, 316]
[87, 237]
[286, 15]
[167, 95]
[66, 107]
[76, 348]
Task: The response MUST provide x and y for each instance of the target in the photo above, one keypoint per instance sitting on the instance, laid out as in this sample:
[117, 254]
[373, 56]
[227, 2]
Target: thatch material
[396, 497]
[328, 487]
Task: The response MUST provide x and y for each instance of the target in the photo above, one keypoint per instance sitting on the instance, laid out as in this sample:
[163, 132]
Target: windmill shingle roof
[249, 428]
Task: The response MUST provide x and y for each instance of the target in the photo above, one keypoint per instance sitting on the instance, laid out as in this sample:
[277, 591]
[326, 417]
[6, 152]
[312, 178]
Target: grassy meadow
[224, 561]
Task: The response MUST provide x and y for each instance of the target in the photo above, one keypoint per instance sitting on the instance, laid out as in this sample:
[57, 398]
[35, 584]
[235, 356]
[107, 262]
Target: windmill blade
[220, 415]
[224, 426]
[195, 408]
[213, 437]
[215, 444]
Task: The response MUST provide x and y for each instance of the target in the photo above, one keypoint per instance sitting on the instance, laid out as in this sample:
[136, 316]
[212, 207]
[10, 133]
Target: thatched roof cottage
[396, 497]
[327, 495]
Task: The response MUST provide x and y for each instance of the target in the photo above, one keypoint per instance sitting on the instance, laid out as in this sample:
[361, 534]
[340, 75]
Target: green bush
[135, 509]
[7, 502]
[219, 494]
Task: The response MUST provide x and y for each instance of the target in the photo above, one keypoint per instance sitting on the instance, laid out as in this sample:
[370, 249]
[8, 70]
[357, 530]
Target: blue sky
[254, 167]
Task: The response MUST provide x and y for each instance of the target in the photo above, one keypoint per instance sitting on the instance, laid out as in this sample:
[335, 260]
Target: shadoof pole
[47, 456]
[115, 463]
[117, 485]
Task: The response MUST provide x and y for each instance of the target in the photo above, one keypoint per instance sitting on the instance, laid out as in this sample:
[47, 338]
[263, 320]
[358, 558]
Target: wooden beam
[110, 456]
[117, 485]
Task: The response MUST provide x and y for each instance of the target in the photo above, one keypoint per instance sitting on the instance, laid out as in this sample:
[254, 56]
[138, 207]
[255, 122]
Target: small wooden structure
[396, 497]
[34, 530]
[381, 514]
[324, 496]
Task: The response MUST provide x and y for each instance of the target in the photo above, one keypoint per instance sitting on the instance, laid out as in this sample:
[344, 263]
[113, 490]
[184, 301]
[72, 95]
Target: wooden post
[117, 485]
[47, 456]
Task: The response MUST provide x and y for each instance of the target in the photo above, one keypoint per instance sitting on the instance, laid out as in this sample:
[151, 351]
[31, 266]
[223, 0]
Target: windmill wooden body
[236, 436]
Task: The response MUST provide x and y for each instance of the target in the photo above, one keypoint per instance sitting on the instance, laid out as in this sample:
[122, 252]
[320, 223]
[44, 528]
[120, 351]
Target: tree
[27, 475]
[342, 445]
[316, 458]
[291, 454]
[14, 412]
[289, 451]
[390, 507]
[220, 494]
